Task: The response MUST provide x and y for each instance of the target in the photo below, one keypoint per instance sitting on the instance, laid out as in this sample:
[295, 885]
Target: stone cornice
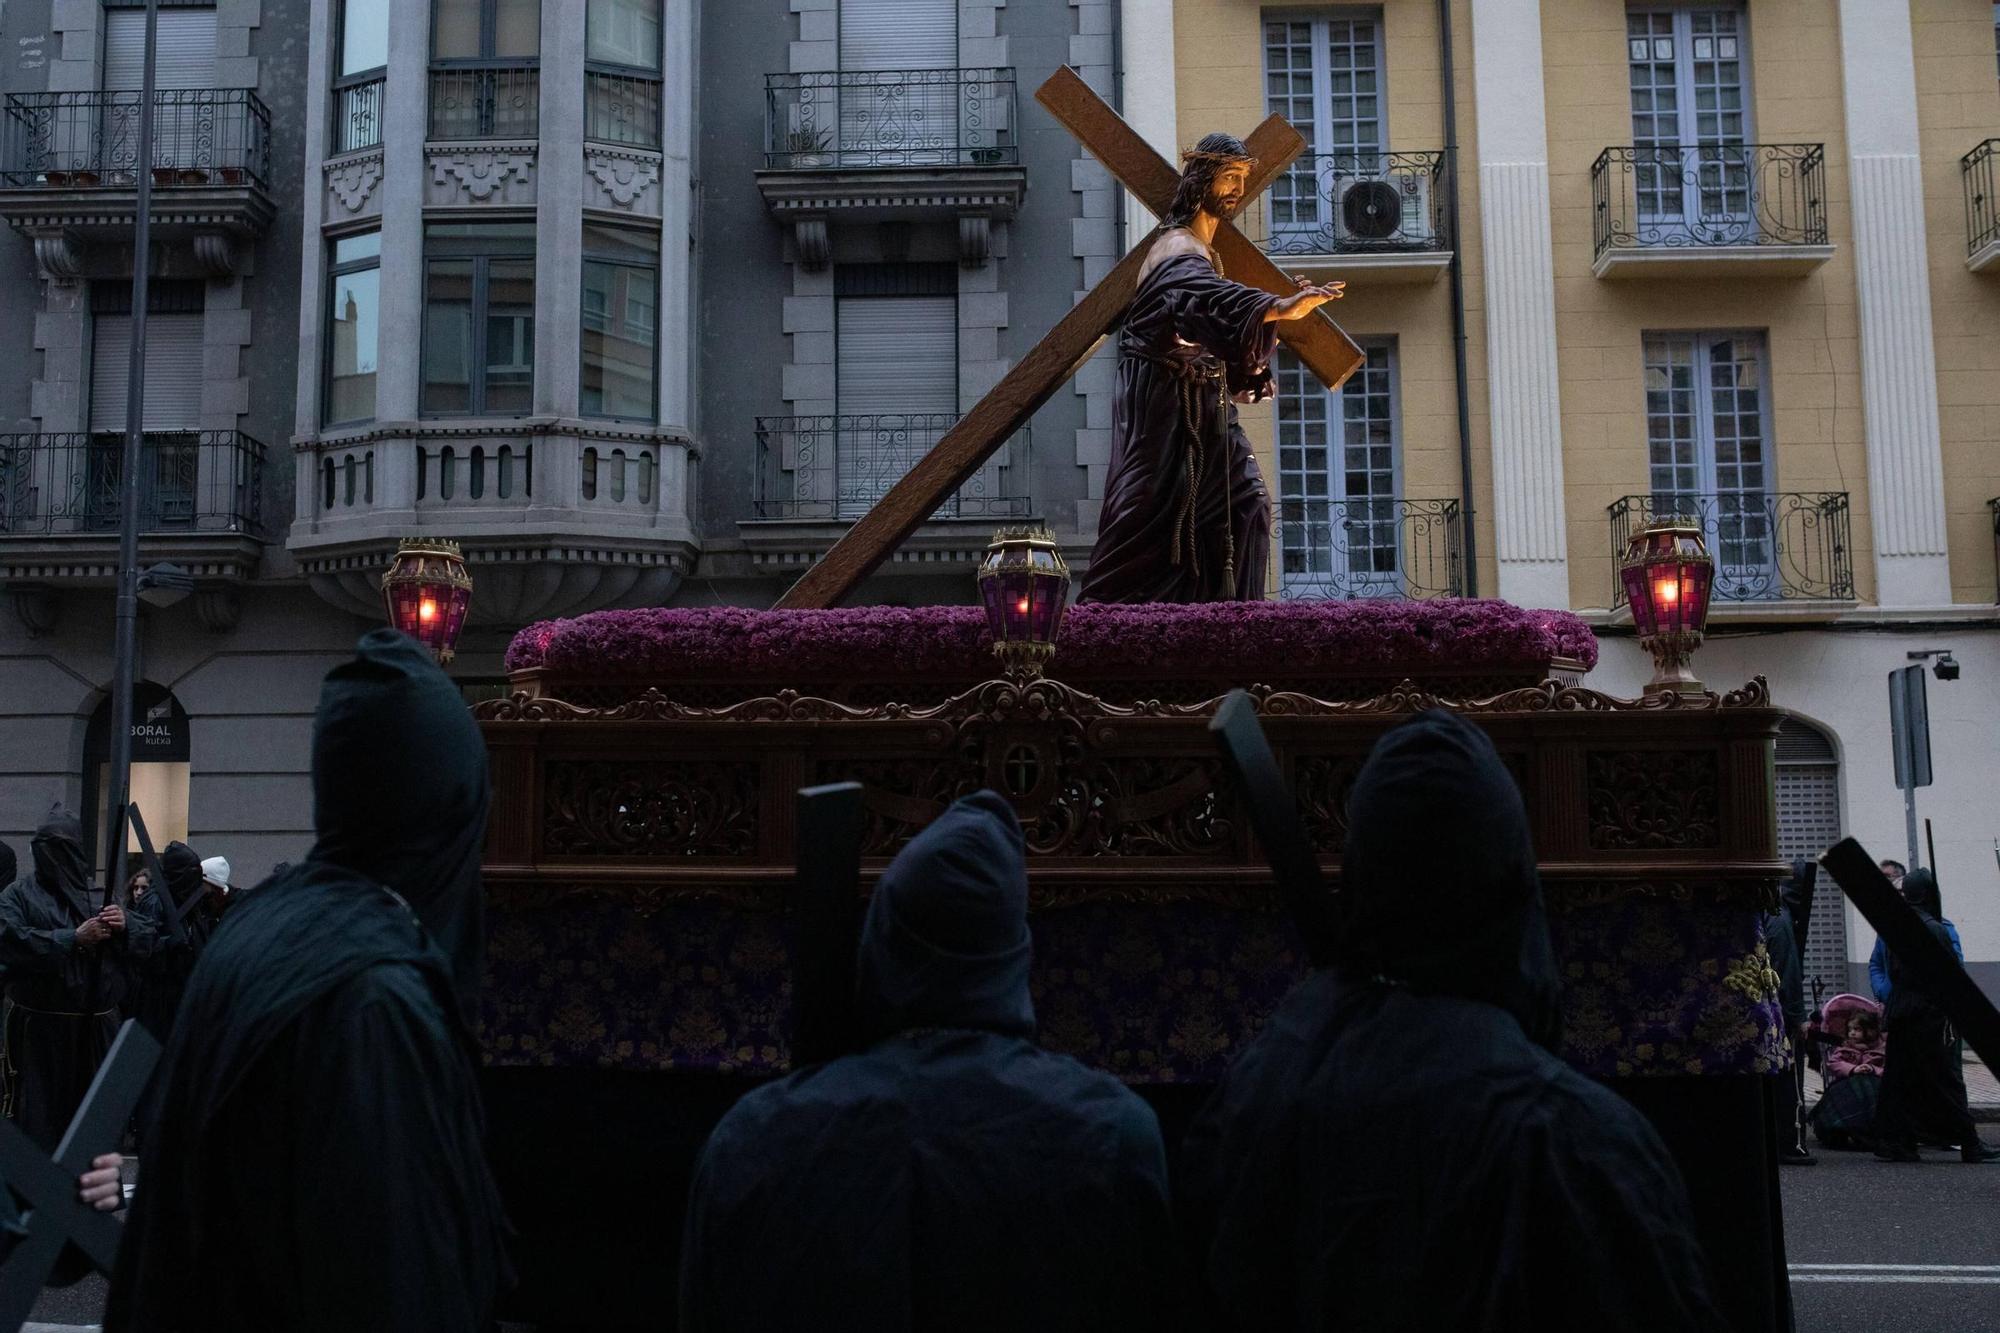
[478, 428]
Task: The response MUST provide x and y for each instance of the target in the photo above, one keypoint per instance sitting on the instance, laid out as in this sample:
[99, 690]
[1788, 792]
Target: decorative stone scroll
[350, 186]
[625, 181]
[503, 176]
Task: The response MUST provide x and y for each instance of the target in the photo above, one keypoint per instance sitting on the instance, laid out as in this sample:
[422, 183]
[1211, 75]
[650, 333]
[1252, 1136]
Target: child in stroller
[1846, 1045]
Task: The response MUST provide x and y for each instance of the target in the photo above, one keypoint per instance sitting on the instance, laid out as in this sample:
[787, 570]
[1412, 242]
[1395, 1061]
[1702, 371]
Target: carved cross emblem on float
[1316, 340]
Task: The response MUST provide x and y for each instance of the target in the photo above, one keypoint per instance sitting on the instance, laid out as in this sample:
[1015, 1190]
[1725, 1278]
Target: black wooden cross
[827, 917]
[175, 928]
[1261, 791]
[48, 1186]
[1904, 932]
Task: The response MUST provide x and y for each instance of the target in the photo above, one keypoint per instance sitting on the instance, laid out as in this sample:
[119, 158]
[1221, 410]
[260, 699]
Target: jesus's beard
[1219, 208]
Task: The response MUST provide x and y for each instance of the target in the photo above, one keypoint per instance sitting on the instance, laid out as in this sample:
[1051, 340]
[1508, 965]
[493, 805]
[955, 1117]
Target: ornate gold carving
[605, 807]
[1654, 799]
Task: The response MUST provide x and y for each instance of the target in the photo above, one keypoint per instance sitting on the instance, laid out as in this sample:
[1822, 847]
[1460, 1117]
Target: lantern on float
[427, 592]
[1668, 574]
[1024, 582]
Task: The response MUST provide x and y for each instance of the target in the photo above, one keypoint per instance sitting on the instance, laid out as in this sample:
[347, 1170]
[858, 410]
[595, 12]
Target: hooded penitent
[952, 1174]
[163, 977]
[63, 995]
[1400, 1148]
[317, 1157]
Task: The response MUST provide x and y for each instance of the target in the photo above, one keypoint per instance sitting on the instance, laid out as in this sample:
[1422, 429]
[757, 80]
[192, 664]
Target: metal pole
[118, 787]
[1910, 823]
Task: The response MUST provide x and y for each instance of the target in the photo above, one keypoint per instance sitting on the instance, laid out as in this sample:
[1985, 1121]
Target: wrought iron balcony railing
[1345, 549]
[486, 102]
[890, 118]
[190, 481]
[1767, 547]
[90, 140]
[1982, 196]
[621, 109]
[1356, 203]
[357, 113]
[1709, 195]
[836, 468]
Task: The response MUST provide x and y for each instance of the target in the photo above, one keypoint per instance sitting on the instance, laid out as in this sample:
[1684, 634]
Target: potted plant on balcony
[232, 175]
[164, 177]
[988, 156]
[193, 176]
[806, 147]
[84, 180]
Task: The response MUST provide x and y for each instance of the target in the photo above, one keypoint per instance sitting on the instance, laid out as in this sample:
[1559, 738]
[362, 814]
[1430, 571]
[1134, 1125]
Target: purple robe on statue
[1186, 517]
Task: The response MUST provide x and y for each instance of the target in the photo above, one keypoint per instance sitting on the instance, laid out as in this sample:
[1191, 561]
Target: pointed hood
[60, 861]
[1439, 888]
[1920, 890]
[945, 943]
[400, 793]
[182, 865]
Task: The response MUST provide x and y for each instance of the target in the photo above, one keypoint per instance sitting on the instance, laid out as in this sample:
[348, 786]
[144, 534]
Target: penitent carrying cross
[1316, 340]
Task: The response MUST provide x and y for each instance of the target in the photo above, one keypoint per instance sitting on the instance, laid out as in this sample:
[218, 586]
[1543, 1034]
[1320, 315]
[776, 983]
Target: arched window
[1808, 823]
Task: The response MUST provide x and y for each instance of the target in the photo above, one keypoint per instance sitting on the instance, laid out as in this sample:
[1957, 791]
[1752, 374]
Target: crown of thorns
[1189, 156]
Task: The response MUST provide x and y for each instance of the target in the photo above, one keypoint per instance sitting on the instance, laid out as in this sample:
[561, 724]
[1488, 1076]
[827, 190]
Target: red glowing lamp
[1668, 574]
[1024, 582]
[427, 592]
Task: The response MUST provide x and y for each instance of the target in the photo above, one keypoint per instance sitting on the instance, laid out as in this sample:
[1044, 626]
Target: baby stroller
[1847, 1046]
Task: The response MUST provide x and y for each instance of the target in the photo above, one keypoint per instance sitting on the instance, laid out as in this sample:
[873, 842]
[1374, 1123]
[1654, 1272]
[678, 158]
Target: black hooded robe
[1923, 1088]
[1400, 1149]
[62, 997]
[164, 976]
[317, 1159]
[953, 1175]
[1190, 339]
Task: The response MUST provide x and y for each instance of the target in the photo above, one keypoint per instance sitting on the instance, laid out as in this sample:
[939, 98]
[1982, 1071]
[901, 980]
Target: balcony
[1778, 547]
[1731, 210]
[1982, 207]
[357, 114]
[1375, 218]
[1349, 549]
[489, 101]
[200, 504]
[69, 164]
[877, 145]
[556, 516]
[816, 475]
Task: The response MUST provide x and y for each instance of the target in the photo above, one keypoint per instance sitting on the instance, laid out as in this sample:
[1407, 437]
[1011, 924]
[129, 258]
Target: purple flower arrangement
[1289, 639]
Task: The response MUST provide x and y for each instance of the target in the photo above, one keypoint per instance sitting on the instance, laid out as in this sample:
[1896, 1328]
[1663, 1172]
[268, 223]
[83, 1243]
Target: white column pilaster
[1530, 541]
[312, 248]
[1148, 91]
[405, 121]
[1899, 391]
[677, 353]
[559, 216]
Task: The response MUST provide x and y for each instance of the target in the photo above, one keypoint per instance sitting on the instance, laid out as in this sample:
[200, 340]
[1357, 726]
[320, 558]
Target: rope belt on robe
[1198, 380]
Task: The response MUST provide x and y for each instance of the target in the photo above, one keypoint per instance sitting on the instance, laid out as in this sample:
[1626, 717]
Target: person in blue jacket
[1878, 961]
[951, 1174]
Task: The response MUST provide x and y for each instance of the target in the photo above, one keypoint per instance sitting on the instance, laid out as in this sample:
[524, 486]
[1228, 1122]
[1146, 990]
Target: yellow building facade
[1738, 259]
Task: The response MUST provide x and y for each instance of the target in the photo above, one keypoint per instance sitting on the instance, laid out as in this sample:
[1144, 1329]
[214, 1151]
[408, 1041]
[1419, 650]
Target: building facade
[644, 301]
[1736, 261]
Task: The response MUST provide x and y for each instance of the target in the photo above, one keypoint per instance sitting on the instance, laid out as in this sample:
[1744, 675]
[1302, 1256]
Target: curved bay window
[621, 312]
[622, 78]
[479, 319]
[353, 310]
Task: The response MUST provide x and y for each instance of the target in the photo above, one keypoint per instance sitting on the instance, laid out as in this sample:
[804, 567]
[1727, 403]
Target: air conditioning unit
[1389, 209]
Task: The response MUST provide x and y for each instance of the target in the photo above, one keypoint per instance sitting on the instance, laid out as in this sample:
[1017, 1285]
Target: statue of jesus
[1186, 517]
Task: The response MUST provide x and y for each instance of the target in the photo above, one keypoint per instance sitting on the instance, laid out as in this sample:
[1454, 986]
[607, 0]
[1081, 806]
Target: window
[1808, 823]
[353, 312]
[479, 319]
[1707, 421]
[899, 91]
[484, 81]
[1325, 75]
[358, 82]
[1338, 455]
[621, 278]
[185, 132]
[1689, 72]
[622, 82]
[895, 373]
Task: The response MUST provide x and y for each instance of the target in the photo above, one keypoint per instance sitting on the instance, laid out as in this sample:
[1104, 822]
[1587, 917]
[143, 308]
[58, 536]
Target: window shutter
[898, 34]
[897, 354]
[173, 372]
[185, 52]
[1808, 824]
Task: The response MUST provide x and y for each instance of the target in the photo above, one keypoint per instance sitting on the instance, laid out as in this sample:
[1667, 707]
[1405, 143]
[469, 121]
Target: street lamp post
[118, 792]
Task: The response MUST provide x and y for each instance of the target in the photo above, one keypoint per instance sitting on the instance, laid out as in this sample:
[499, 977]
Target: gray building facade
[642, 302]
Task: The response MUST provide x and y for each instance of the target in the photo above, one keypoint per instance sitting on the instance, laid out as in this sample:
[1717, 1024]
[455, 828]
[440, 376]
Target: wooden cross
[1274, 814]
[826, 922]
[49, 1187]
[1316, 340]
